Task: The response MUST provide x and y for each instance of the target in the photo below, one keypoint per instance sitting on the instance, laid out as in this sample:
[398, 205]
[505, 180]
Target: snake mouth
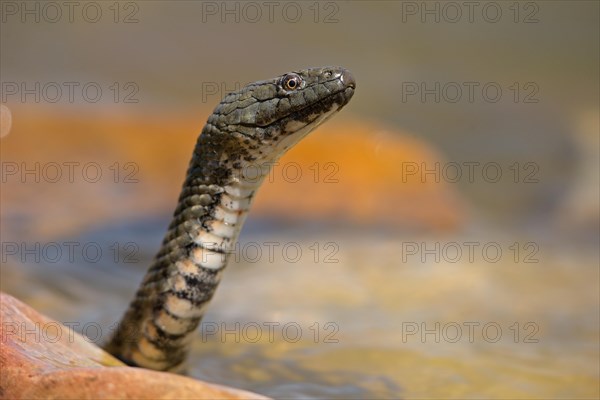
[291, 129]
[325, 106]
[321, 106]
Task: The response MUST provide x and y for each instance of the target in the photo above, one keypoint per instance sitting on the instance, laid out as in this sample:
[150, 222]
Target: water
[367, 317]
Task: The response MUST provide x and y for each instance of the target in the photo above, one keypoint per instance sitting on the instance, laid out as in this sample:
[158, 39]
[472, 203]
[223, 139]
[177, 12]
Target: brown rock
[42, 359]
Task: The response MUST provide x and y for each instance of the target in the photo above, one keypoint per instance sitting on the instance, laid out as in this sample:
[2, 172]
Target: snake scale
[251, 127]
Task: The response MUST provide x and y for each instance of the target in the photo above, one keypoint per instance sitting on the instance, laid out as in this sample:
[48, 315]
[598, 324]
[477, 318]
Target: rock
[43, 359]
[364, 174]
[355, 172]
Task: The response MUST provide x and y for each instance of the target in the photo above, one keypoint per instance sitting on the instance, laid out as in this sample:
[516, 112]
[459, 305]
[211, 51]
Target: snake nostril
[348, 79]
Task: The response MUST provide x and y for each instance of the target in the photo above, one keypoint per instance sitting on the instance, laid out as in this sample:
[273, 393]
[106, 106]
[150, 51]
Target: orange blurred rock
[42, 359]
[50, 163]
[357, 172]
[5, 120]
[362, 173]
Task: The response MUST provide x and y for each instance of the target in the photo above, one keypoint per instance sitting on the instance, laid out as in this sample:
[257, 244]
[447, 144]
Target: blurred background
[439, 238]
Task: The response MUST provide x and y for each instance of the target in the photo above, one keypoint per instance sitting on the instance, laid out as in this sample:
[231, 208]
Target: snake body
[250, 128]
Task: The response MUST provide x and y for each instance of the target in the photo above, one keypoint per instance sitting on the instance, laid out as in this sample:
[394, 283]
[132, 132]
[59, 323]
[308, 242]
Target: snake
[248, 131]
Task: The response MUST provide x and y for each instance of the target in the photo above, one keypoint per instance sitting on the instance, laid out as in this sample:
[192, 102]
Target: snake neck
[223, 175]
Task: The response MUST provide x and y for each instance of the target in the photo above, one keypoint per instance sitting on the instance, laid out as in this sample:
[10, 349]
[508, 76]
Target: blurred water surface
[363, 324]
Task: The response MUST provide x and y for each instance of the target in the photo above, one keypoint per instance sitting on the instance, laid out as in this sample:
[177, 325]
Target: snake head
[276, 113]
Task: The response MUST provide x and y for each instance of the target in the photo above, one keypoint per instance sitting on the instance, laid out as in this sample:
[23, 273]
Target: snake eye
[291, 82]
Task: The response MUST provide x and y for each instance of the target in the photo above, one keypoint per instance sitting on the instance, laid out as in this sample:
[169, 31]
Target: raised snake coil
[249, 128]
